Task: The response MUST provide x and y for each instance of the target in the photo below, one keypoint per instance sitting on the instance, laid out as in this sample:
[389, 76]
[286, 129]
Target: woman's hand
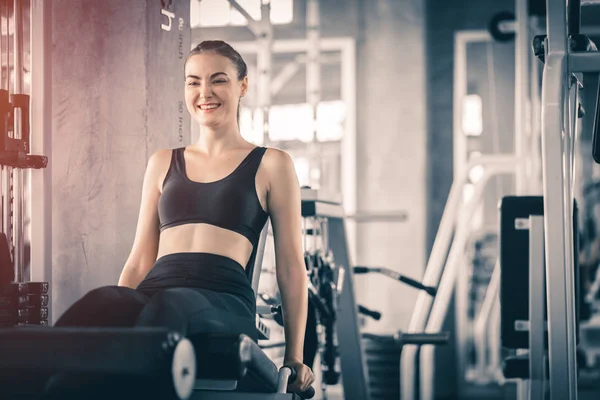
[304, 377]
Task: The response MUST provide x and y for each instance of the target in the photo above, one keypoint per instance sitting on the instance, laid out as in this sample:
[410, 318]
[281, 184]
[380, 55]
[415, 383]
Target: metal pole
[265, 65]
[6, 171]
[537, 301]
[313, 81]
[521, 92]
[557, 208]
[41, 142]
[18, 173]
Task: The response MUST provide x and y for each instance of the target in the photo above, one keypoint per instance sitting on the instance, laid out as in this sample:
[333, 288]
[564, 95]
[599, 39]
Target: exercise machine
[353, 346]
[571, 62]
[206, 366]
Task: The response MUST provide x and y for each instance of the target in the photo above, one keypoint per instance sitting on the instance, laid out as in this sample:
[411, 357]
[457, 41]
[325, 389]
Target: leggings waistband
[199, 270]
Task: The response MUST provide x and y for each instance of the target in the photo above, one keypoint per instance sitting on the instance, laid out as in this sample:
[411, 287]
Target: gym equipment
[227, 366]
[15, 158]
[394, 275]
[565, 59]
[33, 353]
[354, 359]
[523, 292]
[383, 353]
[515, 266]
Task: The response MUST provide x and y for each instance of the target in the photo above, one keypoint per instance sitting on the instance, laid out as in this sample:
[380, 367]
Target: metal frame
[441, 303]
[41, 142]
[560, 280]
[354, 375]
[537, 302]
[429, 314]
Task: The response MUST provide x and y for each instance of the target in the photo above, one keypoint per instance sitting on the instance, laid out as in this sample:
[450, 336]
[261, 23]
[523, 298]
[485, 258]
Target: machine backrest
[254, 267]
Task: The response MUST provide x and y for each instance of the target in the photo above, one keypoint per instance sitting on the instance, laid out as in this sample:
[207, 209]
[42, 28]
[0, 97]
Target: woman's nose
[205, 91]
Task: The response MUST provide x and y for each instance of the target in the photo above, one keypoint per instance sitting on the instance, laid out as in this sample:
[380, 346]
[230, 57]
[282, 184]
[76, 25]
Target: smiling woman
[202, 210]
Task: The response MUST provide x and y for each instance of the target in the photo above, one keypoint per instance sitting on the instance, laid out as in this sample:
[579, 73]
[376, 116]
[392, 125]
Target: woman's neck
[215, 140]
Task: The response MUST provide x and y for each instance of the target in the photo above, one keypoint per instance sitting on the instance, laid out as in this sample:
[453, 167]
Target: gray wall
[116, 86]
[391, 142]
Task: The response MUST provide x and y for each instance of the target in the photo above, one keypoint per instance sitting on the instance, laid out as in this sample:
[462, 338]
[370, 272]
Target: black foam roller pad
[94, 350]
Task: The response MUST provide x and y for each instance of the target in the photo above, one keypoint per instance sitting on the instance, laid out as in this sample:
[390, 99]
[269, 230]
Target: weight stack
[24, 304]
[383, 367]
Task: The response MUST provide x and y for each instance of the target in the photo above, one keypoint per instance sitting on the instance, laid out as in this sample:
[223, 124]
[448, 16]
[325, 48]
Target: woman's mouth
[209, 107]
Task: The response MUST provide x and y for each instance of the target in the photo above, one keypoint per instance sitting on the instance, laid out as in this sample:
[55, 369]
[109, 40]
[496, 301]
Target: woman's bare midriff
[205, 238]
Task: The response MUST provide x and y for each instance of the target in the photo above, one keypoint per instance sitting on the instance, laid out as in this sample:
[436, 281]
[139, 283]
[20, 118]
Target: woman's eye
[220, 81]
[192, 83]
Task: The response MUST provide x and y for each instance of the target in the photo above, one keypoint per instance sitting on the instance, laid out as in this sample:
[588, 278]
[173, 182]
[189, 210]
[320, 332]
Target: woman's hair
[223, 49]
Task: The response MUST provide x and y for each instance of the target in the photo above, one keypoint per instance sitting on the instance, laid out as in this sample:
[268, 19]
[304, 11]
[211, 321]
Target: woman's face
[212, 89]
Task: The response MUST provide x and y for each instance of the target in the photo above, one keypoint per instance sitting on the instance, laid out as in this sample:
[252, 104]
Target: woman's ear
[244, 86]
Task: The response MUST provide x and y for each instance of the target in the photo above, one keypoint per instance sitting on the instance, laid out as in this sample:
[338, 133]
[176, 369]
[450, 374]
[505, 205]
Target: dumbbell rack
[21, 302]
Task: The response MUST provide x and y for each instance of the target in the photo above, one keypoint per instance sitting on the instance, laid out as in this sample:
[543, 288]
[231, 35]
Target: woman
[202, 210]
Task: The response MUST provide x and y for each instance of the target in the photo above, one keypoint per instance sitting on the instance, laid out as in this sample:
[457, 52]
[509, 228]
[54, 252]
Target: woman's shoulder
[278, 164]
[159, 161]
[275, 159]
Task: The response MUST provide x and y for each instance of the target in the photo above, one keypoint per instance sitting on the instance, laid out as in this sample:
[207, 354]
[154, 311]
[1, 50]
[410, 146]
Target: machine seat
[234, 357]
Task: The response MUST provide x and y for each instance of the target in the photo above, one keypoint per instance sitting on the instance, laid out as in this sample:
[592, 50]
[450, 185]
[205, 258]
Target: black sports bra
[230, 203]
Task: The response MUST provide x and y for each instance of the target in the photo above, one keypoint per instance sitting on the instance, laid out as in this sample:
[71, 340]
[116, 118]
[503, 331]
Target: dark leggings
[170, 297]
[185, 310]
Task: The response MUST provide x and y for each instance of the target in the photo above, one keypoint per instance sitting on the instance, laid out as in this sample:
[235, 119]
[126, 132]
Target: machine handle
[365, 311]
[402, 338]
[360, 269]
[440, 338]
[287, 375]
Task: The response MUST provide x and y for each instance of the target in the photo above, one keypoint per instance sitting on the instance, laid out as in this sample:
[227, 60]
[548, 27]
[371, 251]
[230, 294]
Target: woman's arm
[284, 205]
[145, 245]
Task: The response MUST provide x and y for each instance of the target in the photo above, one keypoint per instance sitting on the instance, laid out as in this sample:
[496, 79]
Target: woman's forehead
[208, 63]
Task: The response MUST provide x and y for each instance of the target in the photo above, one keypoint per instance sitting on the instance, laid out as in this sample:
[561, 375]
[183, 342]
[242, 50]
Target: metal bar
[537, 302]
[260, 251]
[348, 149]
[41, 142]
[557, 215]
[285, 74]
[535, 156]
[19, 197]
[313, 83]
[352, 360]
[265, 66]
[374, 216]
[459, 163]
[480, 334]
[447, 283]
[253, 25]
[494, 346]
[584, 61]
[7, 174]
[522, 56]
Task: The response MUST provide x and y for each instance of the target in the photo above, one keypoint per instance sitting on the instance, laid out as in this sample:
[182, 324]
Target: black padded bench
[142, 361]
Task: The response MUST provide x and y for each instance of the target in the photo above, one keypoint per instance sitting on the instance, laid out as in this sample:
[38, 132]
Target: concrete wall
[116, 86]
[391, 142]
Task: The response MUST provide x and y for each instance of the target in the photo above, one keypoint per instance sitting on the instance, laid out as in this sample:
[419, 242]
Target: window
[213, 13]
[294, 122]
[472, 120]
